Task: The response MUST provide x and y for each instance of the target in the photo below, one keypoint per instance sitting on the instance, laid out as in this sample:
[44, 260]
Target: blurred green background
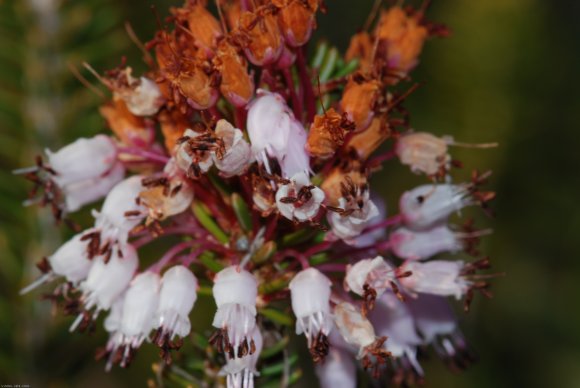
[508, 74]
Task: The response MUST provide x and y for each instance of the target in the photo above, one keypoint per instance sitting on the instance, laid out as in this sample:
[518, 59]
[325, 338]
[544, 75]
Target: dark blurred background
[508, 73]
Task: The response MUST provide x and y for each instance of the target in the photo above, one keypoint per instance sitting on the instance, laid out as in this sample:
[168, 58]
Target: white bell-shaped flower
[236, 154]
[420, 245]
[299, 200]
[358, 215]
[235, 291]
[177, 297]
[121, 211]
[70, 261]
[427, 205]
[106, 281]
[140, 303]
[240, 372]
[275, 132]
[437, 277]
[83, 159]
[310, 294]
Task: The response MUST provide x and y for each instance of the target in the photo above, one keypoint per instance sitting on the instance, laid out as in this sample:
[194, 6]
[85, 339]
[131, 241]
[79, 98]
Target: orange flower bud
[401, 39]
[297, 19]
[237, 85]
[130, 129]
[361, 48]
[358, 100]
[335, 181]
[260, 36]
[367, 141]
[327, 133]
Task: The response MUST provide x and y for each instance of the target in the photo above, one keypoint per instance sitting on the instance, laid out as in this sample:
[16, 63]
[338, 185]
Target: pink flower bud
[427, 205]
[419, 245]
[237, 154]
[177, 297]
[299, 200]
[235, 291]
[436, 277]
[240, 371]
[274, 132]
[310, 294]
[137, 319]
[348, 225]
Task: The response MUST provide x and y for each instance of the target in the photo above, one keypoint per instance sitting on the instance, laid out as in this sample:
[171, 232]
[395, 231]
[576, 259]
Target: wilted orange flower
[367, 141]
[337, 178]
[173, 125]
[130, 129]
[204, 27]
[361, 48]
[260, 36]
[236, 84]
[359, 98]
[401, 38]
[327, 133]
[297, 19]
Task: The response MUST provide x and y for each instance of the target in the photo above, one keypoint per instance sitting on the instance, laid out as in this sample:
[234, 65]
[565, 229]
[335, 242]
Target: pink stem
[151, 156]
[297, 255]
[187, 260]
[306, 83]
[394, 220]
[318, 248]
[169, 255]
[379, 159]
[332, 267]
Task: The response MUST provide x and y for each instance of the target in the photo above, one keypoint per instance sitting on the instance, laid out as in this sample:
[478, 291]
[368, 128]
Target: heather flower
[106, 281]
[264, 42]
[240, 372]
[176, 299]
[427, 205]
[310, 295]
[393, 319]
[299, 200]
[85, 170]
[274, 132]
[358, 331]
[337, 370]
[235, 291]
[137, 319]
[236, 154]
[297, 20]
[423, 152]
[70, 261]
[409, 244]
[358, 211]
[358, 100]
[143, 97]
[237, 84]
[187, 157]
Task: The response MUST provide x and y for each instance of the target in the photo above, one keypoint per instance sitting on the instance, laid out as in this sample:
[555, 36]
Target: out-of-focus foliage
[507, 74]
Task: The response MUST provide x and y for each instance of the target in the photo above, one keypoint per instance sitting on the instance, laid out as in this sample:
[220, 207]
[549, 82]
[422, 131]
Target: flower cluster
[258, 159]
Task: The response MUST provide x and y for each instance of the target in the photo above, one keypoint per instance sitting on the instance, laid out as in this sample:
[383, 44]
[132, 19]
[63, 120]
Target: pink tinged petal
[337, 370]
[419, 245]
[376, 272]
[355, 329]
[78, 194]
[71, 260]
[237, 154]
[428, 205]
[436, 277]
[83, 159]
[145, 99]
